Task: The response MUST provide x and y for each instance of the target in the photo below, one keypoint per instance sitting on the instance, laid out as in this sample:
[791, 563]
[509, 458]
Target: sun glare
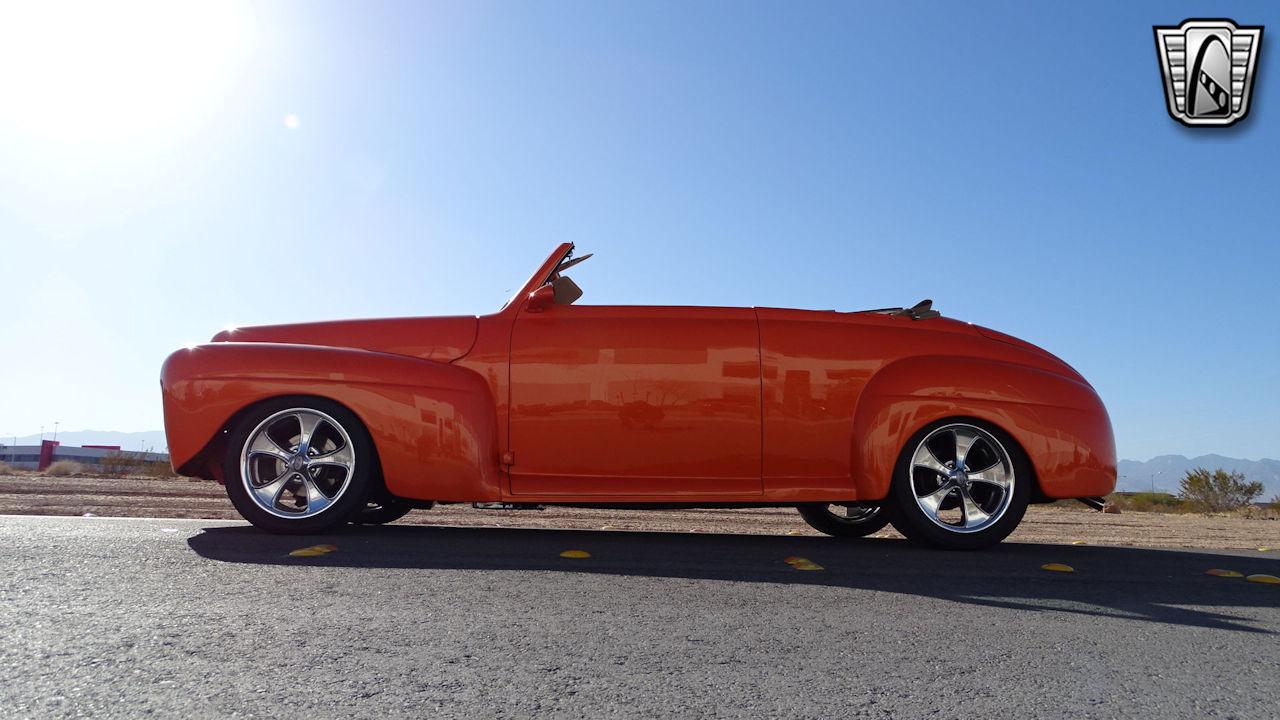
[107, 71]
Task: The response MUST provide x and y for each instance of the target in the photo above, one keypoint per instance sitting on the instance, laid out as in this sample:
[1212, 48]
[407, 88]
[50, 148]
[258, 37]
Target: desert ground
[1060, 523]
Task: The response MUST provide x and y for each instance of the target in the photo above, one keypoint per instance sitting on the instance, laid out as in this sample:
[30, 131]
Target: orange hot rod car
[946, 429]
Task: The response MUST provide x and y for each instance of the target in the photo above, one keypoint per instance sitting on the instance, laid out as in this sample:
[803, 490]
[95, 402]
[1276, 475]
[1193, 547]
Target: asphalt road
[178, 618]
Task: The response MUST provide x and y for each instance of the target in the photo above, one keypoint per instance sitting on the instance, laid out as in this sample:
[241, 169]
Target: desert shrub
[1157, 502]
[1150, 502]
[63, 468]
[116, 464]
[1218, 491]
[159, 469]
[1272, 509]
[1156, 498]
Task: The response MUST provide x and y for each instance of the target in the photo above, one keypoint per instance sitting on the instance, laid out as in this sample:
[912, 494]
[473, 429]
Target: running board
[506, 506]
[1096, 503]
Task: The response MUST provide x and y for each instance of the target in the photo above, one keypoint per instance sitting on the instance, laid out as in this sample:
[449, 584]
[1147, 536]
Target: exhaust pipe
[1096, 503]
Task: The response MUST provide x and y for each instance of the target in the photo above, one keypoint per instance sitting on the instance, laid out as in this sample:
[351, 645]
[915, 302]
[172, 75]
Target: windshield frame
[541, 275]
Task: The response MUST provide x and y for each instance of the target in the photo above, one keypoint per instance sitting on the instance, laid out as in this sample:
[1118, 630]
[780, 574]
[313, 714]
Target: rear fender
[433, 424]
[1059, 423]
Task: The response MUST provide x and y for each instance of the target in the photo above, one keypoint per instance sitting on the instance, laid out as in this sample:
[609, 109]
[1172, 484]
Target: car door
[635, 401]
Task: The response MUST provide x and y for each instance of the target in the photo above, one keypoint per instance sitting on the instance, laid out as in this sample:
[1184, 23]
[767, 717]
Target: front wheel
[960, 485]
[298, 465]
[848, 520]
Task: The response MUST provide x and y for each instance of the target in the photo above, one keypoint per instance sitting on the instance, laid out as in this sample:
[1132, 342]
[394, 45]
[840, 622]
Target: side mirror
[541, 299]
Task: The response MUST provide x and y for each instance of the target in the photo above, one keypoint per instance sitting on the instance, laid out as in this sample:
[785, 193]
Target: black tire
[904, 529]
[909, 515]
[824, 519]
[349, 489]
[380, 512]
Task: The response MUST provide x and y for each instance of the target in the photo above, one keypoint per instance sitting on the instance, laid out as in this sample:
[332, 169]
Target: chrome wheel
[297, 463]
[962, 478]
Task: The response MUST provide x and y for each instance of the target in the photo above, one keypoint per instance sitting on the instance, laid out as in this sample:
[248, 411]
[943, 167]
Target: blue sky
[1012, 161]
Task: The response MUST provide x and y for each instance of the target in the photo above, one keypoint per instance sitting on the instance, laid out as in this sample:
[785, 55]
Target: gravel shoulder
[1063, 523]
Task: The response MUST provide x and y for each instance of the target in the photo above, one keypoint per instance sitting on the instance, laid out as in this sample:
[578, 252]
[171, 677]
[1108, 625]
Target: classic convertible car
[858, 419]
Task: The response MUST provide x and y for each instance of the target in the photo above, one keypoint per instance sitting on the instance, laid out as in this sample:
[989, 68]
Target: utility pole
[55, 431]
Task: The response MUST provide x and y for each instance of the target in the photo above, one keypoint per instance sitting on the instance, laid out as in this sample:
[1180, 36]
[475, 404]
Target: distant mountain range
[1164, 471]
[1167, 471]
[151, 440]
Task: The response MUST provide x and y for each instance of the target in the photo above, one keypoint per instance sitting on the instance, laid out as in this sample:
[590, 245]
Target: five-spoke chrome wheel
[297, 463]
[962, 478]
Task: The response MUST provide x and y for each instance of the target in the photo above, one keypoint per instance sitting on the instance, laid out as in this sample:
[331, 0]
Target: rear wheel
[298, 465]
[960, 485]
[847, 520]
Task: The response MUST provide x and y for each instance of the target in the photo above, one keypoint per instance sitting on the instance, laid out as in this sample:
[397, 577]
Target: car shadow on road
[1164, 586]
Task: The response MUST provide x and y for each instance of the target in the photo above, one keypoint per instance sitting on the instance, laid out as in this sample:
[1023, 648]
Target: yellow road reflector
[795, 532]
[1057, 567]
[1264, 548]
[1219, 572]
[578, 554]
[606, 527]
[1079, 542]
[1260, 578]
[800, 563]
[313, 551]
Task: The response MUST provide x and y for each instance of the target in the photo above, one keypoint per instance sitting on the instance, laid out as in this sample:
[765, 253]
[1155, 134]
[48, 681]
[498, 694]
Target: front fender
[433, 424]
[1058, 421]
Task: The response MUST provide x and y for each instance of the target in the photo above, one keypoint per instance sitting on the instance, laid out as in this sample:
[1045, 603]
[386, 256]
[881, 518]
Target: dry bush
[118, 464]
[1257, 512]
[157, 469]
[5, 469]
[1267, 511]
[1218, 491]
[1158, 502]
[64, 468]
[1151, 502]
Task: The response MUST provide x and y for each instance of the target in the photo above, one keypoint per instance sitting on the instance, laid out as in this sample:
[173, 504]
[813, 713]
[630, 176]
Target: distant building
[39, 457]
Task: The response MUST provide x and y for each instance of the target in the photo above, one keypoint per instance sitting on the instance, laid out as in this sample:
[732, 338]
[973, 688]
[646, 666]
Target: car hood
[443, 339]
